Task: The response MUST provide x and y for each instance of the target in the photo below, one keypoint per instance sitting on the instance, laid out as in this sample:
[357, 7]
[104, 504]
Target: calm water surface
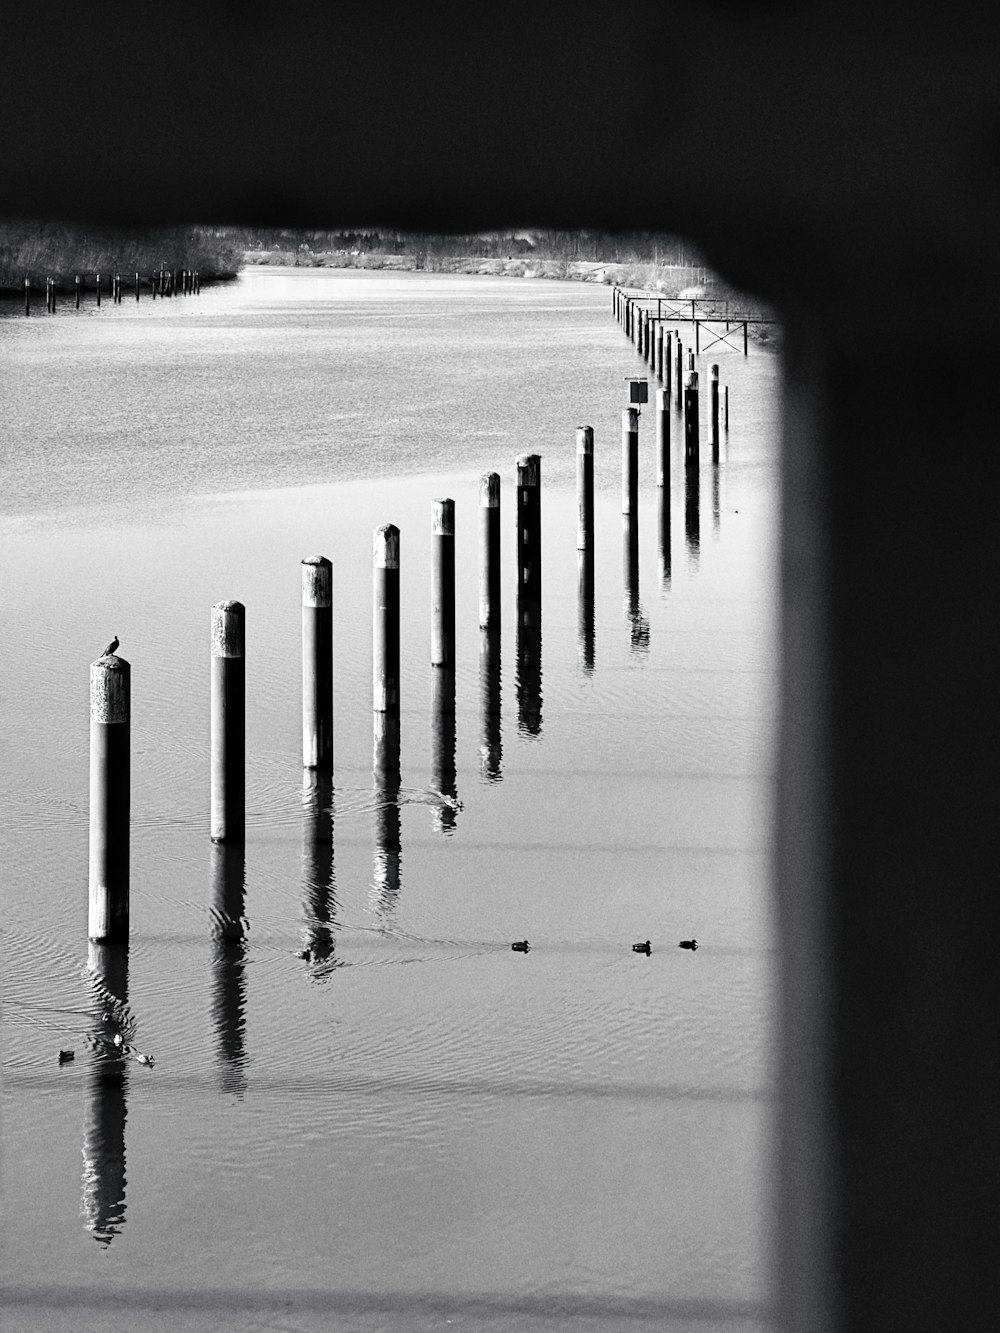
[414, 1128]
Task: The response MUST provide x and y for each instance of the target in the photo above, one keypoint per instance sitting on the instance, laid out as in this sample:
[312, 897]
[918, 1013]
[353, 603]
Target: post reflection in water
[715, 502]
[319, 901]
[491, 746]
[663, 531]
[692, 503]
[103, 1201]
[388, 853]
[229, 950]
[443, 770]
[637, 622]
[585, 634]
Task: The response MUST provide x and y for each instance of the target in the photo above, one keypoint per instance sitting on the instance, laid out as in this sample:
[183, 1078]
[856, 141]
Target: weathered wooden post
[662, 437]
[679, 371]
[746, 337]
[110, 694]
[529, 594]
[228, 726]
[489, 552]
[659, 351]
[98, 289]
[630, 460]
[691, 440]
[76, 285]
[153, 283]
[27, 296]
[714, 413]
[668, 363]
[584, 488]
[137, 286]
[385, 620]
[443, 584]
[725, 404]
[697, 335]
[317, 662]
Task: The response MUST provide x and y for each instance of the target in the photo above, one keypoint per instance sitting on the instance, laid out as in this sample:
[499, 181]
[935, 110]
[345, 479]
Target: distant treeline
[520, 243]
[41, 250]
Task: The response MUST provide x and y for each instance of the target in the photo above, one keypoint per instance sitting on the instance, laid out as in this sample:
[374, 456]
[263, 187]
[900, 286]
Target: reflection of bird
[111, 648]
[642, 948]
[520, 946]
[688, 944]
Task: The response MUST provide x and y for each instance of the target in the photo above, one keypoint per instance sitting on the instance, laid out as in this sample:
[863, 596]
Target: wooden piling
[98, 290]
[746, 337]
[697, 335]
[714, 413]
[585, 488]
[110, 692]
[443, 584]
[659, 352]
[317, 662]
[27, 296]
[662, 437]
[385, 620]
[668, 363]
[529, 536]
[630, 460]
[137, 286]
[691, 440]
[678, 370]
[228, 726]
[489, 552]
[725, 406]
[76, 285]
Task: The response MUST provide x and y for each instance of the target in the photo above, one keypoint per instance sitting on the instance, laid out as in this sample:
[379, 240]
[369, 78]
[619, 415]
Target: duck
[520, 946]
[66, 1056]
[145, 1060]
[642, 948]
[688, 944]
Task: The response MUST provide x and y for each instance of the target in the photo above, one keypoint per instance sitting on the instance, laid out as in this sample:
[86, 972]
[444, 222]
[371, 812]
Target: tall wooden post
[630, 460]
[489, 552]
[585, 488]
[668, 363]
[529, 594]
[110, 694]
[679, 371]
[659, 351]
[691, 440]
[228, 811]
[697, 335]
[662, 437]
[385, 620]
[317, 662]
[714, 413]
[443, 584]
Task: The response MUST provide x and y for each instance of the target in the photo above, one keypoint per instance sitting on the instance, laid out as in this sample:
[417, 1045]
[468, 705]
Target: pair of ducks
[522, 946]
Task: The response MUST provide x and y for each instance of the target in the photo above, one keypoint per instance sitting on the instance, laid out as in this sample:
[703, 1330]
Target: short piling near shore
[489, 553]
[228, 809]
[110, 725]
[385, 620]
[317, 662]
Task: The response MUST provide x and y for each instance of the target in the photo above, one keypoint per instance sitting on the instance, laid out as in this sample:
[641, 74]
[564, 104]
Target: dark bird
[112, 648]
[688, 944]
[520, 946]
[66, 1056]
[642, 948]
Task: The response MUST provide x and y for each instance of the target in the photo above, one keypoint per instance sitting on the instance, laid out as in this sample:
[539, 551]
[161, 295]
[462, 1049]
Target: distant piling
[27, 296]
[317, 662]
[228, 725]
[668, 365]
[714, 413]
[660, 331]
[678, 369]
[443, 584]
[489, 552]
[98, 290]
[630, 460]
[662, 437]
[110, 709]
[137, 286]
[585, 488]
[385, 620]
[76, 285]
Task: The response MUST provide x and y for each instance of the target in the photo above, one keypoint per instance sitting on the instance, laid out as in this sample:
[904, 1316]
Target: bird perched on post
[112, 648]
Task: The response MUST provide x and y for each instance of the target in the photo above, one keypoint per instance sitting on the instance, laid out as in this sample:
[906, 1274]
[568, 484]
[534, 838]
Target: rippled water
[414, 1126]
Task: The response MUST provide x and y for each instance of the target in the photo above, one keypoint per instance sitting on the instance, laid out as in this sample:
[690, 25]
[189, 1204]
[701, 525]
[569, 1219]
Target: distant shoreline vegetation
[42, 250]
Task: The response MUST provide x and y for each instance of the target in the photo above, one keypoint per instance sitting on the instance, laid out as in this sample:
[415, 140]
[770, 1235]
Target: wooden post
[76, 285]
[137, 286]
[529, 595]
[714, 413]
[662, 438]
[317, 662]
[679, 372]
[691, 441]
[697, 335]
[385, 621]
[443, 584]
[228, 809]
[489, 552]
[746, 337]
[659, 351]
[27, 296]
[153, 285]
[725, 403]
[630, 460]
[668, 363]
[585, 488]
[98, 290]
[110, 692]
[690, 360]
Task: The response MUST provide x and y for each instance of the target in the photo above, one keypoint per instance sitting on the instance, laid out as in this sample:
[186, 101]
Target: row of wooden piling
[162, 282]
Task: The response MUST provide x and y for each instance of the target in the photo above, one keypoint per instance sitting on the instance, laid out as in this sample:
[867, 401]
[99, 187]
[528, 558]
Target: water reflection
[491, 746]
[388, 851]
[443, 771]
[585, 633]
[663, 533]
[692, 503]
[637, 622]
[319, 901]
[715, 502]
[103, 1200]
[227, 872]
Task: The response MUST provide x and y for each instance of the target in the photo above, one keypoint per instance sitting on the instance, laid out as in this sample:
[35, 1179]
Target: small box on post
[638, 389]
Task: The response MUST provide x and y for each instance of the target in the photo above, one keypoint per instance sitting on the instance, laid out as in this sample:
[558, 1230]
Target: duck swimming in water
[642, 948]
[66, 1056]
[520, 946]
[688, 944]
